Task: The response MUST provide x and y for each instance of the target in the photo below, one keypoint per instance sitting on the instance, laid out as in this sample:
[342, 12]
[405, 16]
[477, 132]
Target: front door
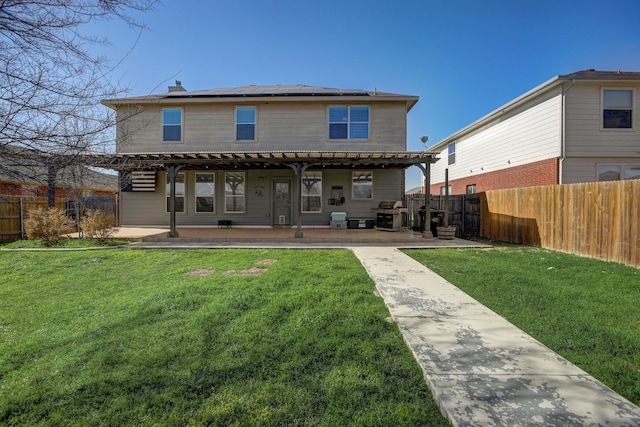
[281, 202]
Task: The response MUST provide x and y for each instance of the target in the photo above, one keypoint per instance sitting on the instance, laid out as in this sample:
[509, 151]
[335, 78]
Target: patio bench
[224, 223]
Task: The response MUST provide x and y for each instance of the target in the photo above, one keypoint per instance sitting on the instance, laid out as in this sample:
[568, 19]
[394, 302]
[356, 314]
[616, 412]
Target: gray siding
[149, 209]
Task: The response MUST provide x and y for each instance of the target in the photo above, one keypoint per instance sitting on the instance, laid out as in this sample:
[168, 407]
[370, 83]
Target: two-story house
[579, 127]
[270, 156]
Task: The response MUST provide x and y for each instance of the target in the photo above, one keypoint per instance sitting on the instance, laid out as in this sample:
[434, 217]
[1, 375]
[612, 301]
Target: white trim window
[312, 192]
[349, 122]
[172, 125]
[444, 188]
[205, 192]
[180, 192]
[617, 108]
[451, 153]
[234, 192]
[245, 123]
[362, 185]
[471, 189]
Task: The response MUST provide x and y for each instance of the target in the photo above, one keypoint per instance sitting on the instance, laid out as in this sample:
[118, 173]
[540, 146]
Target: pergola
[298, 161]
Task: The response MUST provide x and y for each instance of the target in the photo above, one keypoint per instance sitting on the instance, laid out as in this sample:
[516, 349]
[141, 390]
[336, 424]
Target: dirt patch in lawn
[254, 271]
[201, 272]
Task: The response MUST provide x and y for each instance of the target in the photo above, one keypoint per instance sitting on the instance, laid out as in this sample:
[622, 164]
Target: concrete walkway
[482, 370]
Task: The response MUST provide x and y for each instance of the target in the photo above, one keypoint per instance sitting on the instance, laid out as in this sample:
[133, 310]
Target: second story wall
[277, 125]
[586, 135]
[531, 133]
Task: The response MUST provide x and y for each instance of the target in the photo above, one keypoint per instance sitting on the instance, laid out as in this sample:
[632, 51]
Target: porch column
[172, 173]
[299, 169]
[426, 171]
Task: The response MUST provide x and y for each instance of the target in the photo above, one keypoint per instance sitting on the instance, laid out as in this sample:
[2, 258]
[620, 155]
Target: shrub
[97, 225]
[49, 225]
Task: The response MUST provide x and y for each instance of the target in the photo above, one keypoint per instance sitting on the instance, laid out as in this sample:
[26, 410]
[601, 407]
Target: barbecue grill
[389, 215]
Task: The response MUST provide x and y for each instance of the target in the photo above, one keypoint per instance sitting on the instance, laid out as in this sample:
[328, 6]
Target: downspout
[563, 147]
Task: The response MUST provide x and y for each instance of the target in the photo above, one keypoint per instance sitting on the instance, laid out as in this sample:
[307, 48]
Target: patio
[199, 236]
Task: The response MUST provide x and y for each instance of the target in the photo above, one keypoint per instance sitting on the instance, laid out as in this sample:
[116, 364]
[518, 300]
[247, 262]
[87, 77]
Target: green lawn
[122, 337]
[586, 310]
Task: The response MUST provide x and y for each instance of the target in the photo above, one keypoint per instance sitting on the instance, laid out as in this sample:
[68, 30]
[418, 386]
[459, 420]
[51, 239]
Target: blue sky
[462, 58]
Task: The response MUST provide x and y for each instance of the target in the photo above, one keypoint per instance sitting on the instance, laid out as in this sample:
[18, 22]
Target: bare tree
[51, 84]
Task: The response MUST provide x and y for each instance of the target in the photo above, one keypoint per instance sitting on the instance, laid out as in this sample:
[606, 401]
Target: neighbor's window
[179, 200]
[617, 108]
[362, 185]
[451, 150]
[471, 189]
[245, 123]
[609, 173]
[205, 192]
[349, 122]
[172, 124]
[632, 172]
[618, 172]
[234, 192]
[312, 192]
[443, 190]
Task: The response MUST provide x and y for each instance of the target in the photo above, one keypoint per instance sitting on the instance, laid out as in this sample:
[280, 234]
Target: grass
[586, 310]
[64, 244]
[201, 337]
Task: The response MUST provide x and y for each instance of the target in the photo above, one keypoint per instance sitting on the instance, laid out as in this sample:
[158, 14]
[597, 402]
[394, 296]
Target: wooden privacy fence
[14, 209]
[598, 220]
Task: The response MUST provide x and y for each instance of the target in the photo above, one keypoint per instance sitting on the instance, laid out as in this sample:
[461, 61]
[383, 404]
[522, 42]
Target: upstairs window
[245, 123]
[362, 185]
[451, 150]
[349, 122]
[617, 108]
[234, 192]
[312, 192]
[172, 124]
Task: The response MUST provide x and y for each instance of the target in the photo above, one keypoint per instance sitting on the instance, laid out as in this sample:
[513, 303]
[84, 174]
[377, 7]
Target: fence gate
[463, 211]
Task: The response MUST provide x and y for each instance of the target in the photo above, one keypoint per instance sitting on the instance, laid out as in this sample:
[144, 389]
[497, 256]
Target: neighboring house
[579, 127]
[23, 173]
[259, 155]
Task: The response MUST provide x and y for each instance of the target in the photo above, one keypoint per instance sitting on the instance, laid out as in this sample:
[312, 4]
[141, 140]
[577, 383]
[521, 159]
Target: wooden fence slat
[596, 219]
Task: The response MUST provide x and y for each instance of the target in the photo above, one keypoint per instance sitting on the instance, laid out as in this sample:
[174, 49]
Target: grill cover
[390, 204]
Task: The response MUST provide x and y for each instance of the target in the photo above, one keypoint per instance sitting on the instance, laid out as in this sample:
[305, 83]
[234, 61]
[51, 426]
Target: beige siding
[530, 134]
[584, 134]
[585, 169]
[280, 126]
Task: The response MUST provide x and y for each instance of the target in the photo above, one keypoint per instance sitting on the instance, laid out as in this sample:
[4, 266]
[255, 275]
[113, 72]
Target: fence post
[21, 205]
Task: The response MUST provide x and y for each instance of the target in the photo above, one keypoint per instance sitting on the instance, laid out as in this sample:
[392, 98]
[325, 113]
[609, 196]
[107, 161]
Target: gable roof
[592, 74]
[270, 93]
[584, 75]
